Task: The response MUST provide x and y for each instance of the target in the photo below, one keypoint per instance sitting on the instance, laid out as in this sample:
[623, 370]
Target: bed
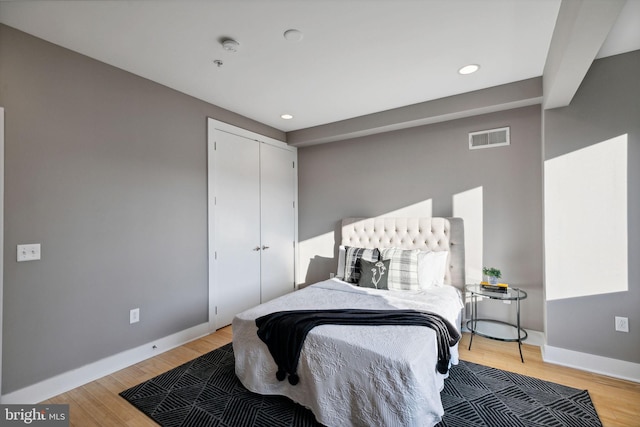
[366, 375]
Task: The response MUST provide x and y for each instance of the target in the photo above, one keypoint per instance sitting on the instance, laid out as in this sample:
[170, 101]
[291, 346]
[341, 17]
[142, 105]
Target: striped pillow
[352, 261]
[403, 269]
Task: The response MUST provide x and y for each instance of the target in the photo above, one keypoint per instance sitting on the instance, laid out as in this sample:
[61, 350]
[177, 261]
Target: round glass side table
[496, 329]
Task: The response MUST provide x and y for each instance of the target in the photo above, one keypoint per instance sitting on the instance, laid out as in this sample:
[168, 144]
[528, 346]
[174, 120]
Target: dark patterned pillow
[374, 274]
[352, 261]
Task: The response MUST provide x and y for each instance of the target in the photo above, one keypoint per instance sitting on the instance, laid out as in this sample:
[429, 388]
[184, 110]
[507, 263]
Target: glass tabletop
[511, 294]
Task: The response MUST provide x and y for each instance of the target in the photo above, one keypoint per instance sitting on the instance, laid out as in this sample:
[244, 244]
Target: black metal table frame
[476, 292]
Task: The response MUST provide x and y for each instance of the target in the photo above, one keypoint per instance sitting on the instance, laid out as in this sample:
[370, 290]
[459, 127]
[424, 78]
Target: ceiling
[356, 57]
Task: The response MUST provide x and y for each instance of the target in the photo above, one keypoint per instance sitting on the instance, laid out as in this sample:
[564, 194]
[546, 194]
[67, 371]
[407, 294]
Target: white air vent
[489, 138]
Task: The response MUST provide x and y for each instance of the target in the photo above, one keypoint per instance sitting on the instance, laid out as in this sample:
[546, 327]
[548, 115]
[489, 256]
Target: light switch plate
[29, 252]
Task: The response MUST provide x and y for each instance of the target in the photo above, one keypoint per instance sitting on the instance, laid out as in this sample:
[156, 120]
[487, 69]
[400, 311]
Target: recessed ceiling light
[469, 69]
[293, 35]
[287, 116]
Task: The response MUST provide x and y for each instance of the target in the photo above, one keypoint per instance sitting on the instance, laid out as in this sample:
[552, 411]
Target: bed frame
[426, 233]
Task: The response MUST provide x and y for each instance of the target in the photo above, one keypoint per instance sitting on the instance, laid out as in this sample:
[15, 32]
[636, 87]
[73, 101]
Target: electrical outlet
[134, 315]
[622, 324]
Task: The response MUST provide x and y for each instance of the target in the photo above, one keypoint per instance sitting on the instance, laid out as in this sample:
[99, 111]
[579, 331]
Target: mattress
[355, 375]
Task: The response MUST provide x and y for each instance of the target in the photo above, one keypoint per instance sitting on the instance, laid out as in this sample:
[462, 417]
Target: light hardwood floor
[98, 403]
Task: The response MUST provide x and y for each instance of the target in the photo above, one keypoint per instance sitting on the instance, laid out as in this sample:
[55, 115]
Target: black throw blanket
[284, 332]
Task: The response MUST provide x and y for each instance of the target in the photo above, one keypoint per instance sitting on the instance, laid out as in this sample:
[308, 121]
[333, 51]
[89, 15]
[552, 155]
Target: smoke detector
[230, 45]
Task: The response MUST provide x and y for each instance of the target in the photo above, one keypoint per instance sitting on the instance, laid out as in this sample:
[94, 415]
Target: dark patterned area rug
[206, 392]
[476, 395]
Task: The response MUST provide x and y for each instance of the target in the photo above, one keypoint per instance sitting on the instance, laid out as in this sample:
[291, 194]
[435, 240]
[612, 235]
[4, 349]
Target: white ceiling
[357, 57]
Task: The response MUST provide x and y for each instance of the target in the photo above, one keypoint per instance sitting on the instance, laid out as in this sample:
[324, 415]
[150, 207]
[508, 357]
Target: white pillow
[432, 267]
[341, 255]
[403, 269]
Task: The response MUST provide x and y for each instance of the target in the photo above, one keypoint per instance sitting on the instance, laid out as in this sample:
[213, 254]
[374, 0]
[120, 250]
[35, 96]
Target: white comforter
[355, 375]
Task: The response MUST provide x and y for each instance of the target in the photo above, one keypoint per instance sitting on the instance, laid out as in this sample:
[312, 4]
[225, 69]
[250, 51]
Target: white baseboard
[536, 338]
[75, 378]
[592, 363]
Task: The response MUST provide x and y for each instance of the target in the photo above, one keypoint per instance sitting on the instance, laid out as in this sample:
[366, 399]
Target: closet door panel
[237, 225]
[277, 177]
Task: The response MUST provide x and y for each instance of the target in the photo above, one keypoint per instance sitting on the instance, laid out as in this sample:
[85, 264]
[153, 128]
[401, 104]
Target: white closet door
[277, 177]
[237, 225]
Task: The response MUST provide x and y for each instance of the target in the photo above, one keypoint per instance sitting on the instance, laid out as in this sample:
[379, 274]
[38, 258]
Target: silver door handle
[257, 248]
[265, 247]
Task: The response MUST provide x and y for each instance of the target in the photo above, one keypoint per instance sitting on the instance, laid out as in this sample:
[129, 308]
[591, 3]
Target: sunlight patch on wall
[420, 209]
[586, 221]
[468, 206]
[310, 249]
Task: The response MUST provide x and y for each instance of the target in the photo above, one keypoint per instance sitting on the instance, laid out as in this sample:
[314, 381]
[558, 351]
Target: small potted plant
[493, 274]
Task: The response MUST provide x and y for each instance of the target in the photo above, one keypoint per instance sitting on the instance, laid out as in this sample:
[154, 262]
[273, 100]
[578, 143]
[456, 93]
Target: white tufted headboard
[435, 234]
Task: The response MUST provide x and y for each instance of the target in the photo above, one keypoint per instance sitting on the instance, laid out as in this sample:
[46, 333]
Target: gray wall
[606, 105]
[373, 175]
[108, 172]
